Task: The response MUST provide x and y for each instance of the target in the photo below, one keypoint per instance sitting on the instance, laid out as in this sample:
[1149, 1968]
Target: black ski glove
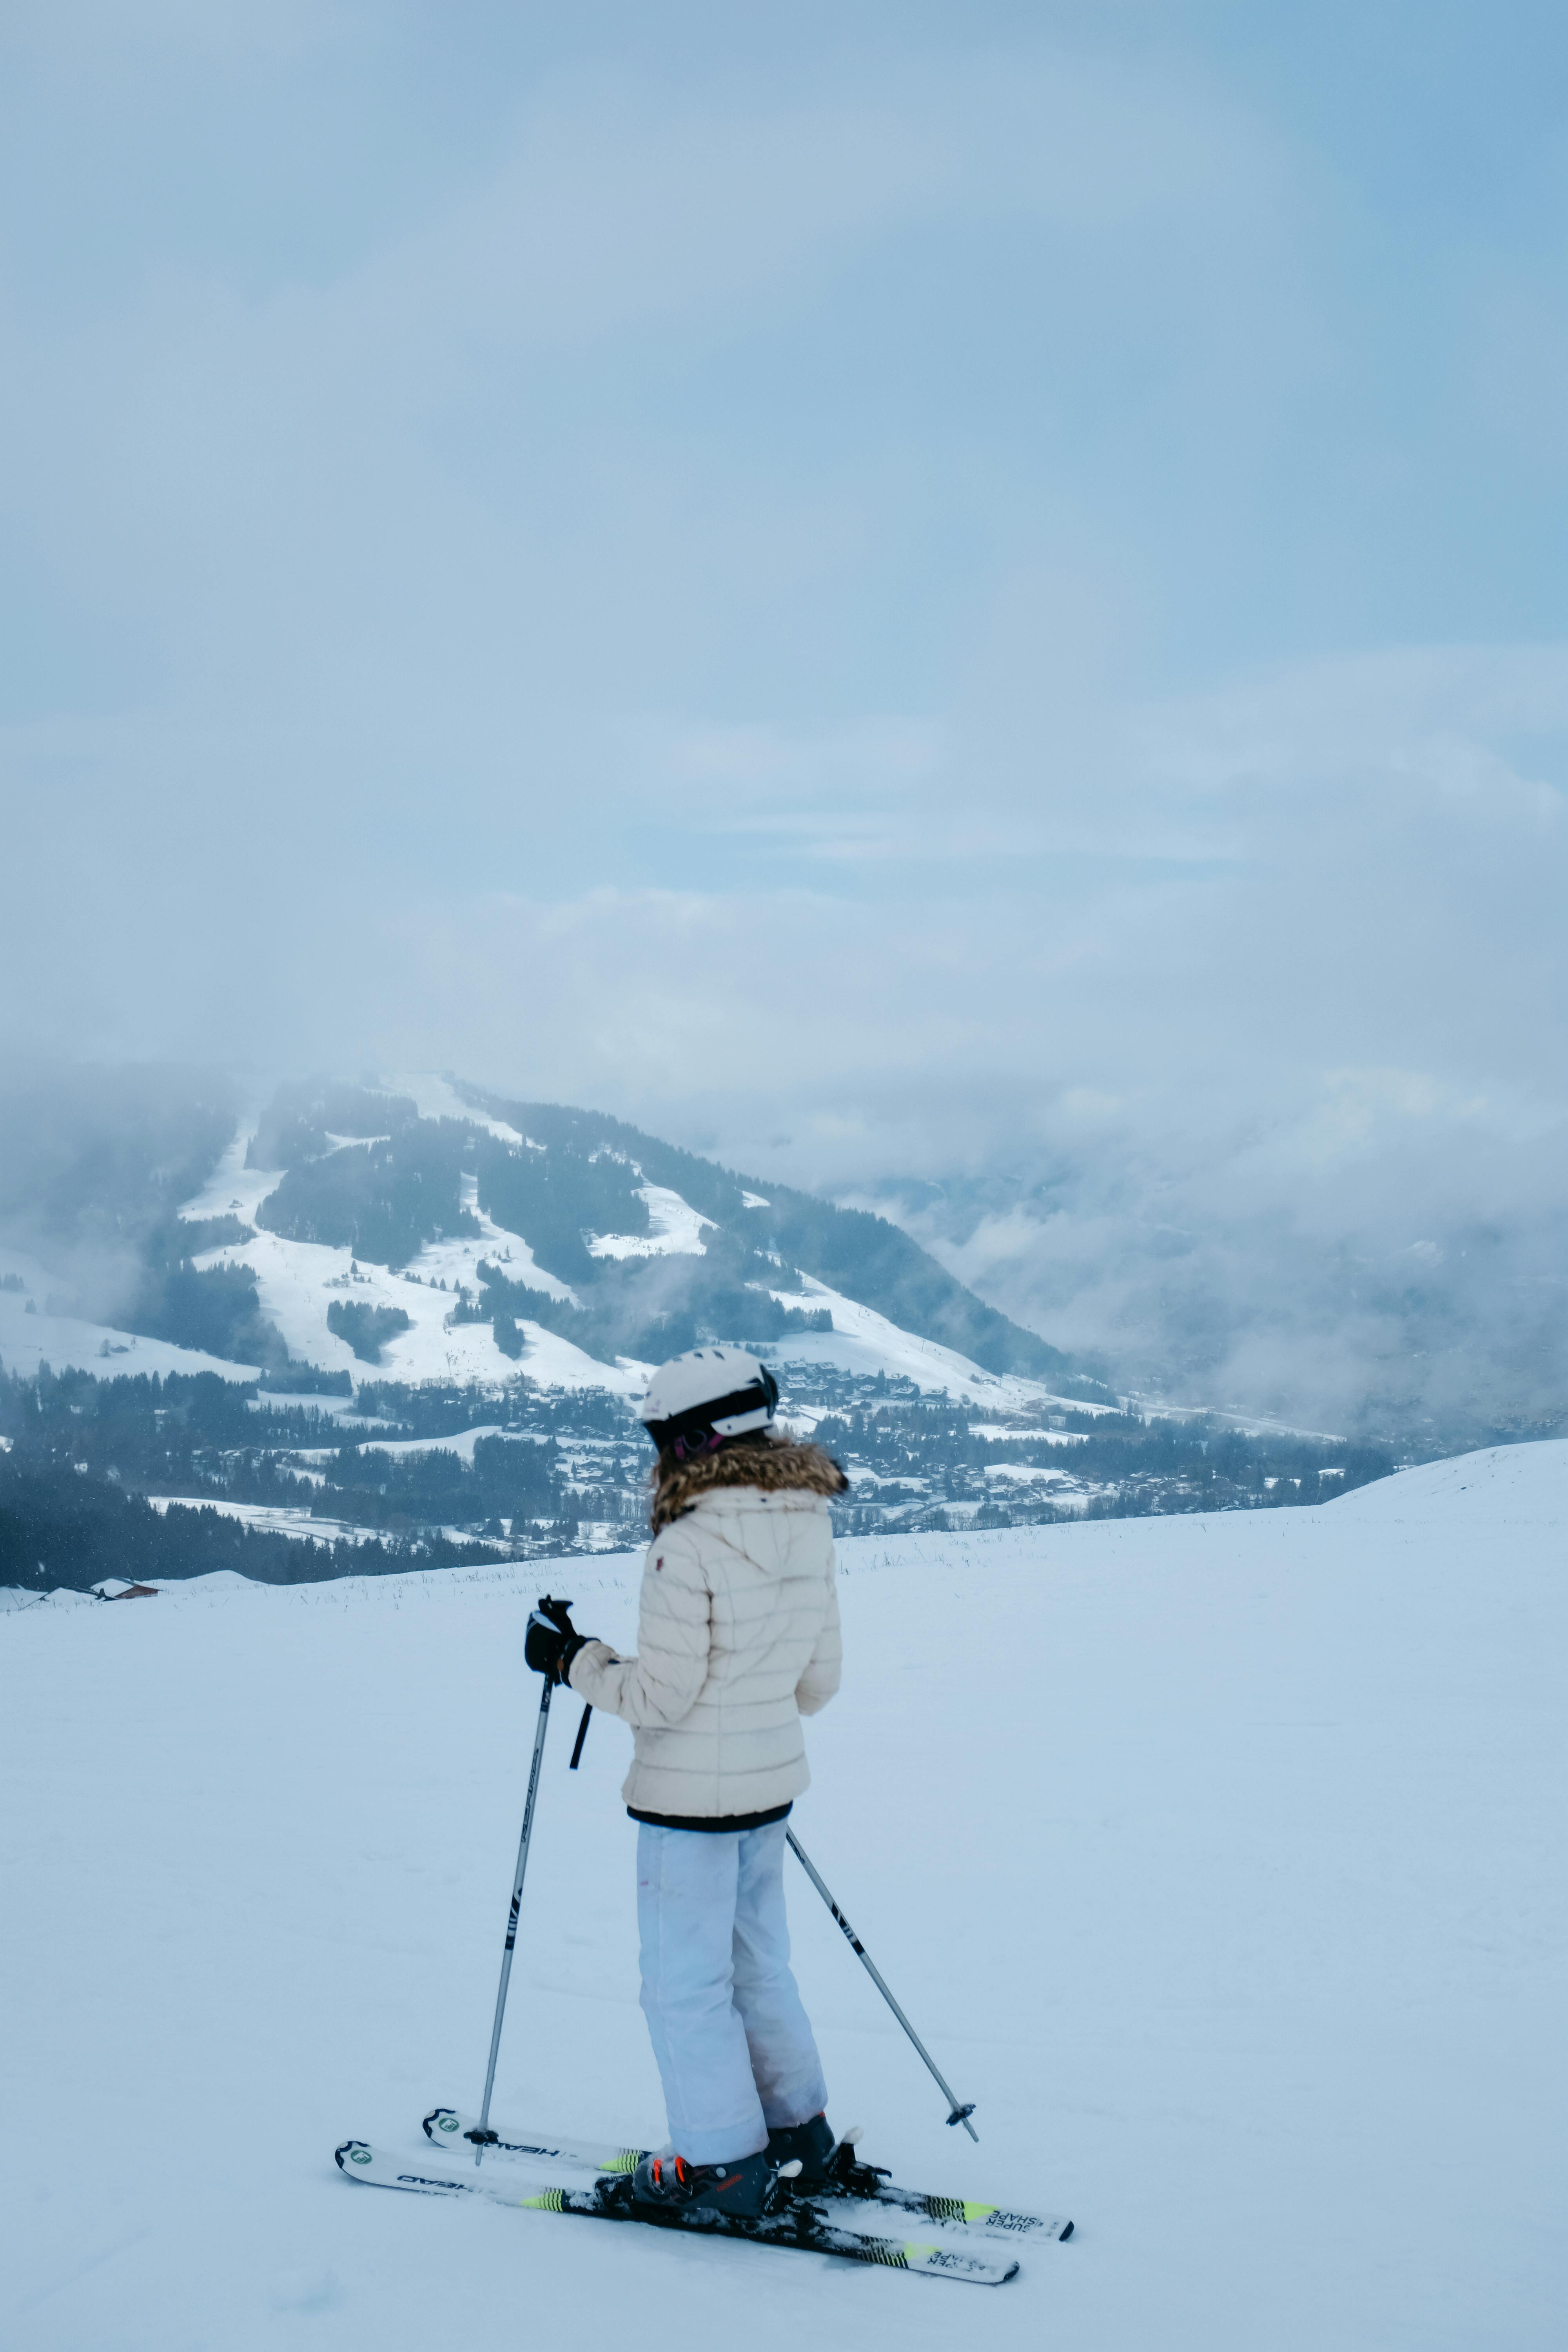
[553, 1641]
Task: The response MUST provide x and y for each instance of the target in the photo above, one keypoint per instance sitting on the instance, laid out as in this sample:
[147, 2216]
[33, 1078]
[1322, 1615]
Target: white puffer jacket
[737, 1639]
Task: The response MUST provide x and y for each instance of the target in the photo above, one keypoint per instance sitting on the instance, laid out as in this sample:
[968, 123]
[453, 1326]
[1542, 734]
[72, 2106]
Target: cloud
[974, 609]
[73, 33]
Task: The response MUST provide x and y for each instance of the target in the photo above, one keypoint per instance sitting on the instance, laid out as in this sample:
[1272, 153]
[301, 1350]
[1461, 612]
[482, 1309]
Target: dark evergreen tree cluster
[366, 1328]
[302, 1120]
[510, 1477]
[63, 1534]
[215, 1309]
[383, 1201]
[557, 1196]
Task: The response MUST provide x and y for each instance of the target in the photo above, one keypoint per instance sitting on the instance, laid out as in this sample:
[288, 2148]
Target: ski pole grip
[582, 1735]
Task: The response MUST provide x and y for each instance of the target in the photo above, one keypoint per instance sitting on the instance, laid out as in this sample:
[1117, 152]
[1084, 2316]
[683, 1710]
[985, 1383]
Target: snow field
[674, 1229]
[861, 1341]
[31, 1333]
[271, 1518]
[1216, 1859]
[437, 1097]
[297, 1282]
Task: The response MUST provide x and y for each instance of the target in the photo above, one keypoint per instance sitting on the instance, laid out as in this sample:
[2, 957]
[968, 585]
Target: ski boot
[812, 2144]
[663, 2183]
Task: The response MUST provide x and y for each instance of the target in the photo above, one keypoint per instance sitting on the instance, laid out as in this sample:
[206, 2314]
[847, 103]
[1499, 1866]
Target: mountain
[365, 1325]
[433, 1232]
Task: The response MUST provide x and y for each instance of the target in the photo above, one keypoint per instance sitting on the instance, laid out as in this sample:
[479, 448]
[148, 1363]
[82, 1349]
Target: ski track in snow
[233, 1189]
[1218, 1858]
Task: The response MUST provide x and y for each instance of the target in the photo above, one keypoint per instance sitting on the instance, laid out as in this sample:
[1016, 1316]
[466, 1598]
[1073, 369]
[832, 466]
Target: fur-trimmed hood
[773, 1464]
[737, 1635]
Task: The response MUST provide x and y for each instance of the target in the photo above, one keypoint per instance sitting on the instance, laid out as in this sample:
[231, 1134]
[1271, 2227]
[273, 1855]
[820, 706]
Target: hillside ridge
[852, 1250]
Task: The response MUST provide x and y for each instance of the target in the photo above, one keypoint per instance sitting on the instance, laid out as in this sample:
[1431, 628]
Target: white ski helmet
[710, 1393]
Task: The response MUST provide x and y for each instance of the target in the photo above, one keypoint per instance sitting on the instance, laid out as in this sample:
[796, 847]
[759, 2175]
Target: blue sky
[885, 588]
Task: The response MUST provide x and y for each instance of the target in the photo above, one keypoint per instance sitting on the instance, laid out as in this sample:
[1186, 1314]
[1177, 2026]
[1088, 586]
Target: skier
[737, 1639]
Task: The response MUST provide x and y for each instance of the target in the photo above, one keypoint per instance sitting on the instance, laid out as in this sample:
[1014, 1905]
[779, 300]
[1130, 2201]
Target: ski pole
[484, 2136]
[958, 2114]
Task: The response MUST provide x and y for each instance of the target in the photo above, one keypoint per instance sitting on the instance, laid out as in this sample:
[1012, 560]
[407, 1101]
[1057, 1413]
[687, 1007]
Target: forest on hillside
[146, 1476]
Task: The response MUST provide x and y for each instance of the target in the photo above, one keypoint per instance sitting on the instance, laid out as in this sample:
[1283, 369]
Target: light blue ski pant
[734, 2046]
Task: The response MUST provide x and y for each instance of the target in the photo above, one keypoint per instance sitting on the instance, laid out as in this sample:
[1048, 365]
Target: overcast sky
[886, 588]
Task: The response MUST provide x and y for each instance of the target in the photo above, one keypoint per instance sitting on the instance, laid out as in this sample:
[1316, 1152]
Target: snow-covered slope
[1216, 1857]
[863, 1341]
[561, 1246]
[674, 1229]
[438, 1097]
[37, 1328]
[297, 1281]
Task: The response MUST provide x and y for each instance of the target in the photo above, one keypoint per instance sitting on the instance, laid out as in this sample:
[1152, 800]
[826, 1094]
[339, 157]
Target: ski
[798, 2225]
[850, 2182]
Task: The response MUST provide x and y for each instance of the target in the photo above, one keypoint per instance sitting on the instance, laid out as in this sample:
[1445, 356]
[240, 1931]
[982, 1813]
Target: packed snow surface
[674, 1229]
[1217, 1858]
[233, 1189]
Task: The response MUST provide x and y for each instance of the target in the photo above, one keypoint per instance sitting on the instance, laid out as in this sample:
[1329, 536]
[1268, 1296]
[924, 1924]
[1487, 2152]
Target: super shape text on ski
[858, 2184]
[798, 2226]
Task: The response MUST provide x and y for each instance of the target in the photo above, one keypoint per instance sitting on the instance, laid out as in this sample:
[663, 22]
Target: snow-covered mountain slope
[562, 1244]
[297, 1282]
[1224, 1877]
[562, 1259]
[674, 1229]
[37, 1327]
[862, 1341]
[438, 1097]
